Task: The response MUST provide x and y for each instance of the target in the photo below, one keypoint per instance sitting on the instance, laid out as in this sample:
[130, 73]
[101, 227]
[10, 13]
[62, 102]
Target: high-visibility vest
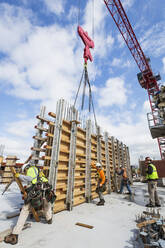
[101, 176]
[154, 174]
[33, 172]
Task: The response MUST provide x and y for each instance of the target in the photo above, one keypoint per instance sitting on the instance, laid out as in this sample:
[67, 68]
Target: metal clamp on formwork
[88, 162]
[108, 175]
[72, 160]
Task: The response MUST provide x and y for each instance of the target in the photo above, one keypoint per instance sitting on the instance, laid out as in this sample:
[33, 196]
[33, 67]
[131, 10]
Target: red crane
[146, 77]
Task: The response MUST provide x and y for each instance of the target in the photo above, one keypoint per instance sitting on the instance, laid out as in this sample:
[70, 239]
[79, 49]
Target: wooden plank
[40, 138]
[42, 118]
[80, 137]
[38, 149]
[52, 114]
[41, 128]
[84, 225]
[145, 223]
[50, 135]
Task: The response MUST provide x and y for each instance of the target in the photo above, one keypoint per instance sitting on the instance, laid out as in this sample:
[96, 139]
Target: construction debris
[151, 228]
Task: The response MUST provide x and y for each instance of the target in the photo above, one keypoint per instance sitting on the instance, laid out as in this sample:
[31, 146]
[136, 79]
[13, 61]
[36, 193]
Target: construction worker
[101, 187]
[152, 178]
[37, 186]
[124, 180]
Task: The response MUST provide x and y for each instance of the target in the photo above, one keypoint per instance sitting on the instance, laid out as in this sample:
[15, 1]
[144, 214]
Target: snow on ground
[114, 223]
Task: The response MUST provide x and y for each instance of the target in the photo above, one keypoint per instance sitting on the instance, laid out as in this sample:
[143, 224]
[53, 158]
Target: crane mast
[146, 77]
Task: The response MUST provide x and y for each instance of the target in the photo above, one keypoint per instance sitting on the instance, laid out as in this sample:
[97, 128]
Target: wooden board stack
[7, 175]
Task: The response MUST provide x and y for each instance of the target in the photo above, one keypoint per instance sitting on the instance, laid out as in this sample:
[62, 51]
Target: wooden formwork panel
[79, 176]
[62, 175]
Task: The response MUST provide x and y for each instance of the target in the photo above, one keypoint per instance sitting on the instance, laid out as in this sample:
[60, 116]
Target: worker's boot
[101, 202]
[50, 221]
[11, 239]
[150, 205]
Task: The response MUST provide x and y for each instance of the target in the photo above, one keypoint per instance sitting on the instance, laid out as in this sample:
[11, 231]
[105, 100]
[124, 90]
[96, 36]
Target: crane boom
[146, 77]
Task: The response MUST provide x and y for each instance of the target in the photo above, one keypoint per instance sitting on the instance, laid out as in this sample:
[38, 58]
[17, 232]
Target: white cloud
[127, 3]
[153, 41]
[73, 13]
[43, 65]
[146, 106]
[16, 146]
[22, 128]
[117, 62]
[134, 134]
[163, 60]
[55, 6]
[114, 93]
[13, 30]
[120, 40]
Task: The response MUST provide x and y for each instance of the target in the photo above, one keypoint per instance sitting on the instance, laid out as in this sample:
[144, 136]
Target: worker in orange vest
[124, 180]
[101, 186]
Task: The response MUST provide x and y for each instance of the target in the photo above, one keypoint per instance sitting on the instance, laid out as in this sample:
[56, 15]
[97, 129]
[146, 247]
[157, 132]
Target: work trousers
[125, 183]
[25, 212]
[152, 190]
[99, 192]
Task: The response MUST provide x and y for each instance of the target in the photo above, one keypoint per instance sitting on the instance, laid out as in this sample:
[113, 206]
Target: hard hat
[98, 165]
[25, 166]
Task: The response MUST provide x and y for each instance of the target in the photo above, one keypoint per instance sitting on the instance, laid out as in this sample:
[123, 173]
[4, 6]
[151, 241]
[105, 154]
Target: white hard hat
[98, 165]
[25, 166]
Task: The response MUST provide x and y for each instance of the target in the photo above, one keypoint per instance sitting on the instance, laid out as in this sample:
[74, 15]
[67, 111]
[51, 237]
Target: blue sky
[41, 61]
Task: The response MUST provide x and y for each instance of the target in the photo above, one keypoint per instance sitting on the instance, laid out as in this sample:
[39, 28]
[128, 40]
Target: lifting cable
[87, 55]
[91, 103]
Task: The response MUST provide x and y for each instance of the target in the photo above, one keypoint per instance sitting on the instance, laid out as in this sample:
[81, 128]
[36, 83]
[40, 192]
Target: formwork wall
[65, 145]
